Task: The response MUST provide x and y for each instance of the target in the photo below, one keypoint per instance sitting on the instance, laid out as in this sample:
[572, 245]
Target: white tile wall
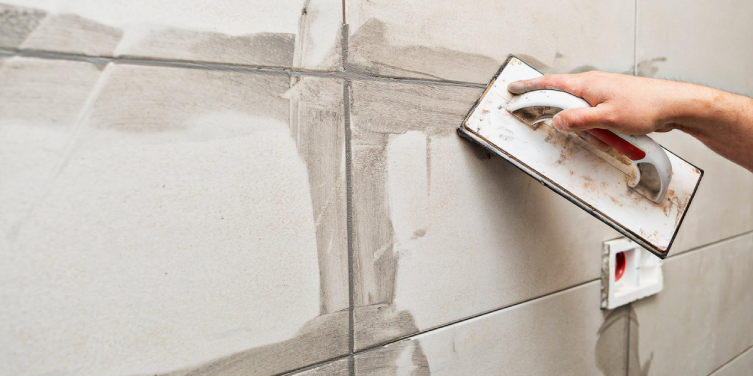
[563, 334]
[444, 231]
[178, 229]
[467, 41]
[158, 219]
[290, 33]
[701, 319]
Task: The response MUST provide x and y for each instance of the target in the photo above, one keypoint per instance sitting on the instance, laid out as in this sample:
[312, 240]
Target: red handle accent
[615, 141]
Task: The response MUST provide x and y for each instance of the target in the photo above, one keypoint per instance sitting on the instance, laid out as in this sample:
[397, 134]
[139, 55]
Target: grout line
[315, 365]
[716, 242]
[635, 39]
[731, 360]
[475, 316]
[100, 60]
[349, 200]
[190, 64]
[349, 211]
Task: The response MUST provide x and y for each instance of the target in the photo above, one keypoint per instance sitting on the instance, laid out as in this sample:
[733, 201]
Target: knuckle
[553, 80]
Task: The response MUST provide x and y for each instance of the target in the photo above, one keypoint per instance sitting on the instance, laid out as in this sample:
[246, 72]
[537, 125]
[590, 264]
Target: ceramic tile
[39, 105]
[469, 40]
[702, 318]
[336, 368]
[563, 333]
[706, 43]
[196, 224]
[739, 366]
[443, 231]
[290, 33]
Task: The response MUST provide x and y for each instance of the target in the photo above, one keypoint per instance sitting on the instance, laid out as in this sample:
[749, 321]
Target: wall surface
[261, 187]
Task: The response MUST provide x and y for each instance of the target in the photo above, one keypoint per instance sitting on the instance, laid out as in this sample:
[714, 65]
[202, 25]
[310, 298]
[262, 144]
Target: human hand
[638, 105]
[621, 103]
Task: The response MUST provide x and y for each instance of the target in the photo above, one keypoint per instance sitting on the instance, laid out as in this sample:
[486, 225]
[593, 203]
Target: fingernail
[557, 121]
[515, 87]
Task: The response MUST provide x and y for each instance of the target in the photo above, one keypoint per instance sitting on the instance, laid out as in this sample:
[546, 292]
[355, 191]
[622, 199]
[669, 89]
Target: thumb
[579, 119]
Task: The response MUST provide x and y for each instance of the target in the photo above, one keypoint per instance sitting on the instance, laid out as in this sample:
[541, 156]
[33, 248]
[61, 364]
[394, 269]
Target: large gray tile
[561, 334]
[195, 225]
[742, 365]
[705, 43]
[290, 33]
[467, 41]
[443, 231]
[702, 318]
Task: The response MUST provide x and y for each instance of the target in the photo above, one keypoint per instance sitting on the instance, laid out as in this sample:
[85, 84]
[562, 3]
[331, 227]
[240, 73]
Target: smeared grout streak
[611, 343]
[74, 34]
[317, 125]
[374, 53]
[380, 110]
[253, 93]
[16, 23]
[338, 367]
[306, 46]
[282, 356]
[400, 358]
[262, 49]
[649, 68]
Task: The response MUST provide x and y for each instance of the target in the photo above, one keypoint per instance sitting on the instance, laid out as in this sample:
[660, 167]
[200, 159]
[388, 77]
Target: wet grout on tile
[302, 34]
[544, 336]
[202, 188]
[468, 41]
[443, 231]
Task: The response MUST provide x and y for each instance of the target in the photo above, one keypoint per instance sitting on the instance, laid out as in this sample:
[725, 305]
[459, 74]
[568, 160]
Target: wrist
[693, 108]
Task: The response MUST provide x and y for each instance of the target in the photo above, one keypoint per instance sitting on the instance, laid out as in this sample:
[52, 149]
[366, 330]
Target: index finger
[547, 81]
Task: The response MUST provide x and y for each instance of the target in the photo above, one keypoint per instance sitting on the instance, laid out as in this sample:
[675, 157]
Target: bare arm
[637, 105]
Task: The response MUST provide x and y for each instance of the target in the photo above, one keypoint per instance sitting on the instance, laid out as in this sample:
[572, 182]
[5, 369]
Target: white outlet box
[628, 273]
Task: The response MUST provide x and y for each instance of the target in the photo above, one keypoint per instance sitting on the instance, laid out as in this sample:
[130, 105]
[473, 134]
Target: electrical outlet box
[628, 273]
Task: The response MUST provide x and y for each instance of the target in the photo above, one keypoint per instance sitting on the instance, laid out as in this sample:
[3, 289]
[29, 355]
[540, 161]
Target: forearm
[721, 120]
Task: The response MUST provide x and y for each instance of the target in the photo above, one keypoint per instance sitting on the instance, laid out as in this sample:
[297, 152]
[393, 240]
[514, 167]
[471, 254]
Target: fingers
[581, 119]
[549, 81]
